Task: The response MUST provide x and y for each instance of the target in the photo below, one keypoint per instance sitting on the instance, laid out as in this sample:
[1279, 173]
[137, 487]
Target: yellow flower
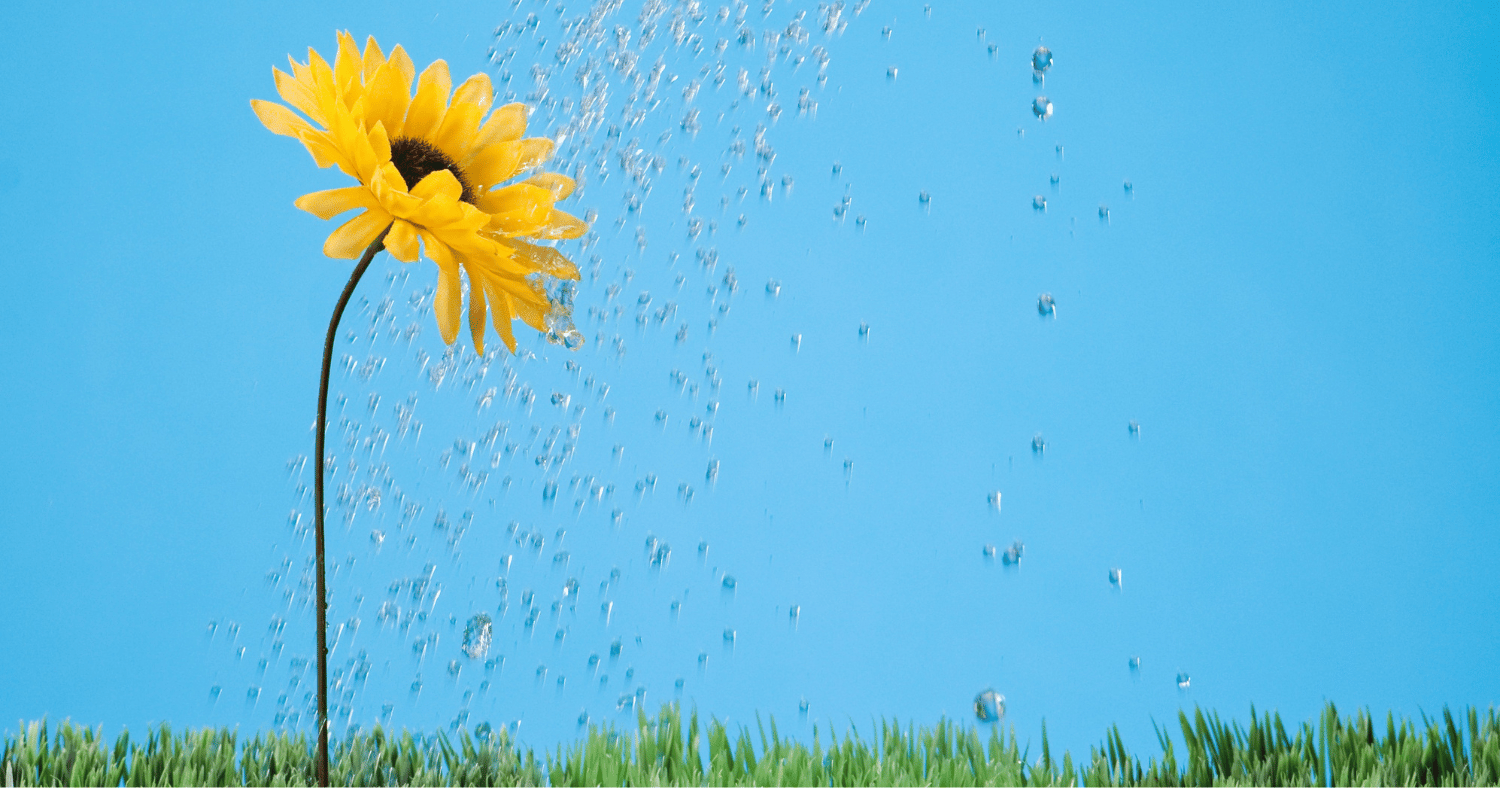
[436, 175]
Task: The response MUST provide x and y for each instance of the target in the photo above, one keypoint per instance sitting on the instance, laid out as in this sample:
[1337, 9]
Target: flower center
[415, 159]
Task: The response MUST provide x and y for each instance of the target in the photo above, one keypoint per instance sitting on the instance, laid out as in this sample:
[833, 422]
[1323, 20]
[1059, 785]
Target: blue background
[1296, 301]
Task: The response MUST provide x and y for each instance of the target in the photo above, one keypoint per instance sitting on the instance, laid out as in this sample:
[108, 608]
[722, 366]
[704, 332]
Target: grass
[1331, 750]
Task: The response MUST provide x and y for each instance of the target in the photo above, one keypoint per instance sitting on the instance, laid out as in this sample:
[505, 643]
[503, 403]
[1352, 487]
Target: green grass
[666, 750]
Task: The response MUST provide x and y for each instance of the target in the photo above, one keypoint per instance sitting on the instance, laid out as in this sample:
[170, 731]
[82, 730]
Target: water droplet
[796, 342]
[1115, 578]
[1038, 445]
[994, 500]
[1039, 203]
[729, 582]
[1041, 108]
[773, 288]
[454, 667]
[1130, 188]
[1103, 212]
[885, 32]
[1046, 306]
[478, 633]
[802, 707]
[890, 73]
[1012, 555]
[794, 612]
[1041, 59]
[1184, 681]
[864, 330]
[1135, 664]
[989, 552]
[924, 197]
[1135, 428]
[728, 636]
[989, 706]
[377, 537]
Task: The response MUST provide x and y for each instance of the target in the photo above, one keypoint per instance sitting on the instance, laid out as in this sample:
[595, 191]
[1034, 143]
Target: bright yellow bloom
[433, 172]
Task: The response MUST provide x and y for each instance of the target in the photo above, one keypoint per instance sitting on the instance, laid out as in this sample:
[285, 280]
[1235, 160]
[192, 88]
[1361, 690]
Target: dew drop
[1046, 306]
[1041, 108]
[478, 633]
[989, 706]
[1041, 59]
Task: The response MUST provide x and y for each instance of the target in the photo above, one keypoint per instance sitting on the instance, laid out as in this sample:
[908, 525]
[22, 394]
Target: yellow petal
[501, 315]
[460, 129]
[438, 184]
[532, 310]
[476, 312]
[279, 119]
[506, 124]
[347, 65]
[544, 259]
[402, 242]
[350, 240]
[560, 185]
[493, 165]
[563, 225]
[518, 209]
[425, 114]
[455, 137]
[400, 61]
[373, 59]
[324, 151]
[475, 90]
[386, 99]
[322, 83]
[297, 94]
[445, 303]
[534, 151]
[331, 203]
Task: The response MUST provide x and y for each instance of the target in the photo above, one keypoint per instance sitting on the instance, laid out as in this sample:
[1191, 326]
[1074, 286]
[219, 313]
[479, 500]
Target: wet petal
[445, 303]
[493, 165]
[476, 311]
[560, 185]
[560, 225]
[505, 124]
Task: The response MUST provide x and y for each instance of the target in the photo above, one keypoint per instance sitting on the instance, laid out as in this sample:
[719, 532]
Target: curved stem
[322, 427]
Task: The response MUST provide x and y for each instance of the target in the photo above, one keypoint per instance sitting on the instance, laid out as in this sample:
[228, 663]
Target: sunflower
[433, 177]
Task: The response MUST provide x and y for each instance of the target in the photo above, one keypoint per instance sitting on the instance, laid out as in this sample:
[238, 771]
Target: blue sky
[1296, 301]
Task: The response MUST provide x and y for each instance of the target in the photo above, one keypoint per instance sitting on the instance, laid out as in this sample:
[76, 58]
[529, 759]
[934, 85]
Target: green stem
[322, 427]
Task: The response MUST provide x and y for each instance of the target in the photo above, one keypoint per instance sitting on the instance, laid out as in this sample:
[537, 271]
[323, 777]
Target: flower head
[440, 174]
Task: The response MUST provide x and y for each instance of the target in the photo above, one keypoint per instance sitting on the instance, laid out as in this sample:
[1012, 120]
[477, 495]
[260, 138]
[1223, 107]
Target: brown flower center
[415, 159]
